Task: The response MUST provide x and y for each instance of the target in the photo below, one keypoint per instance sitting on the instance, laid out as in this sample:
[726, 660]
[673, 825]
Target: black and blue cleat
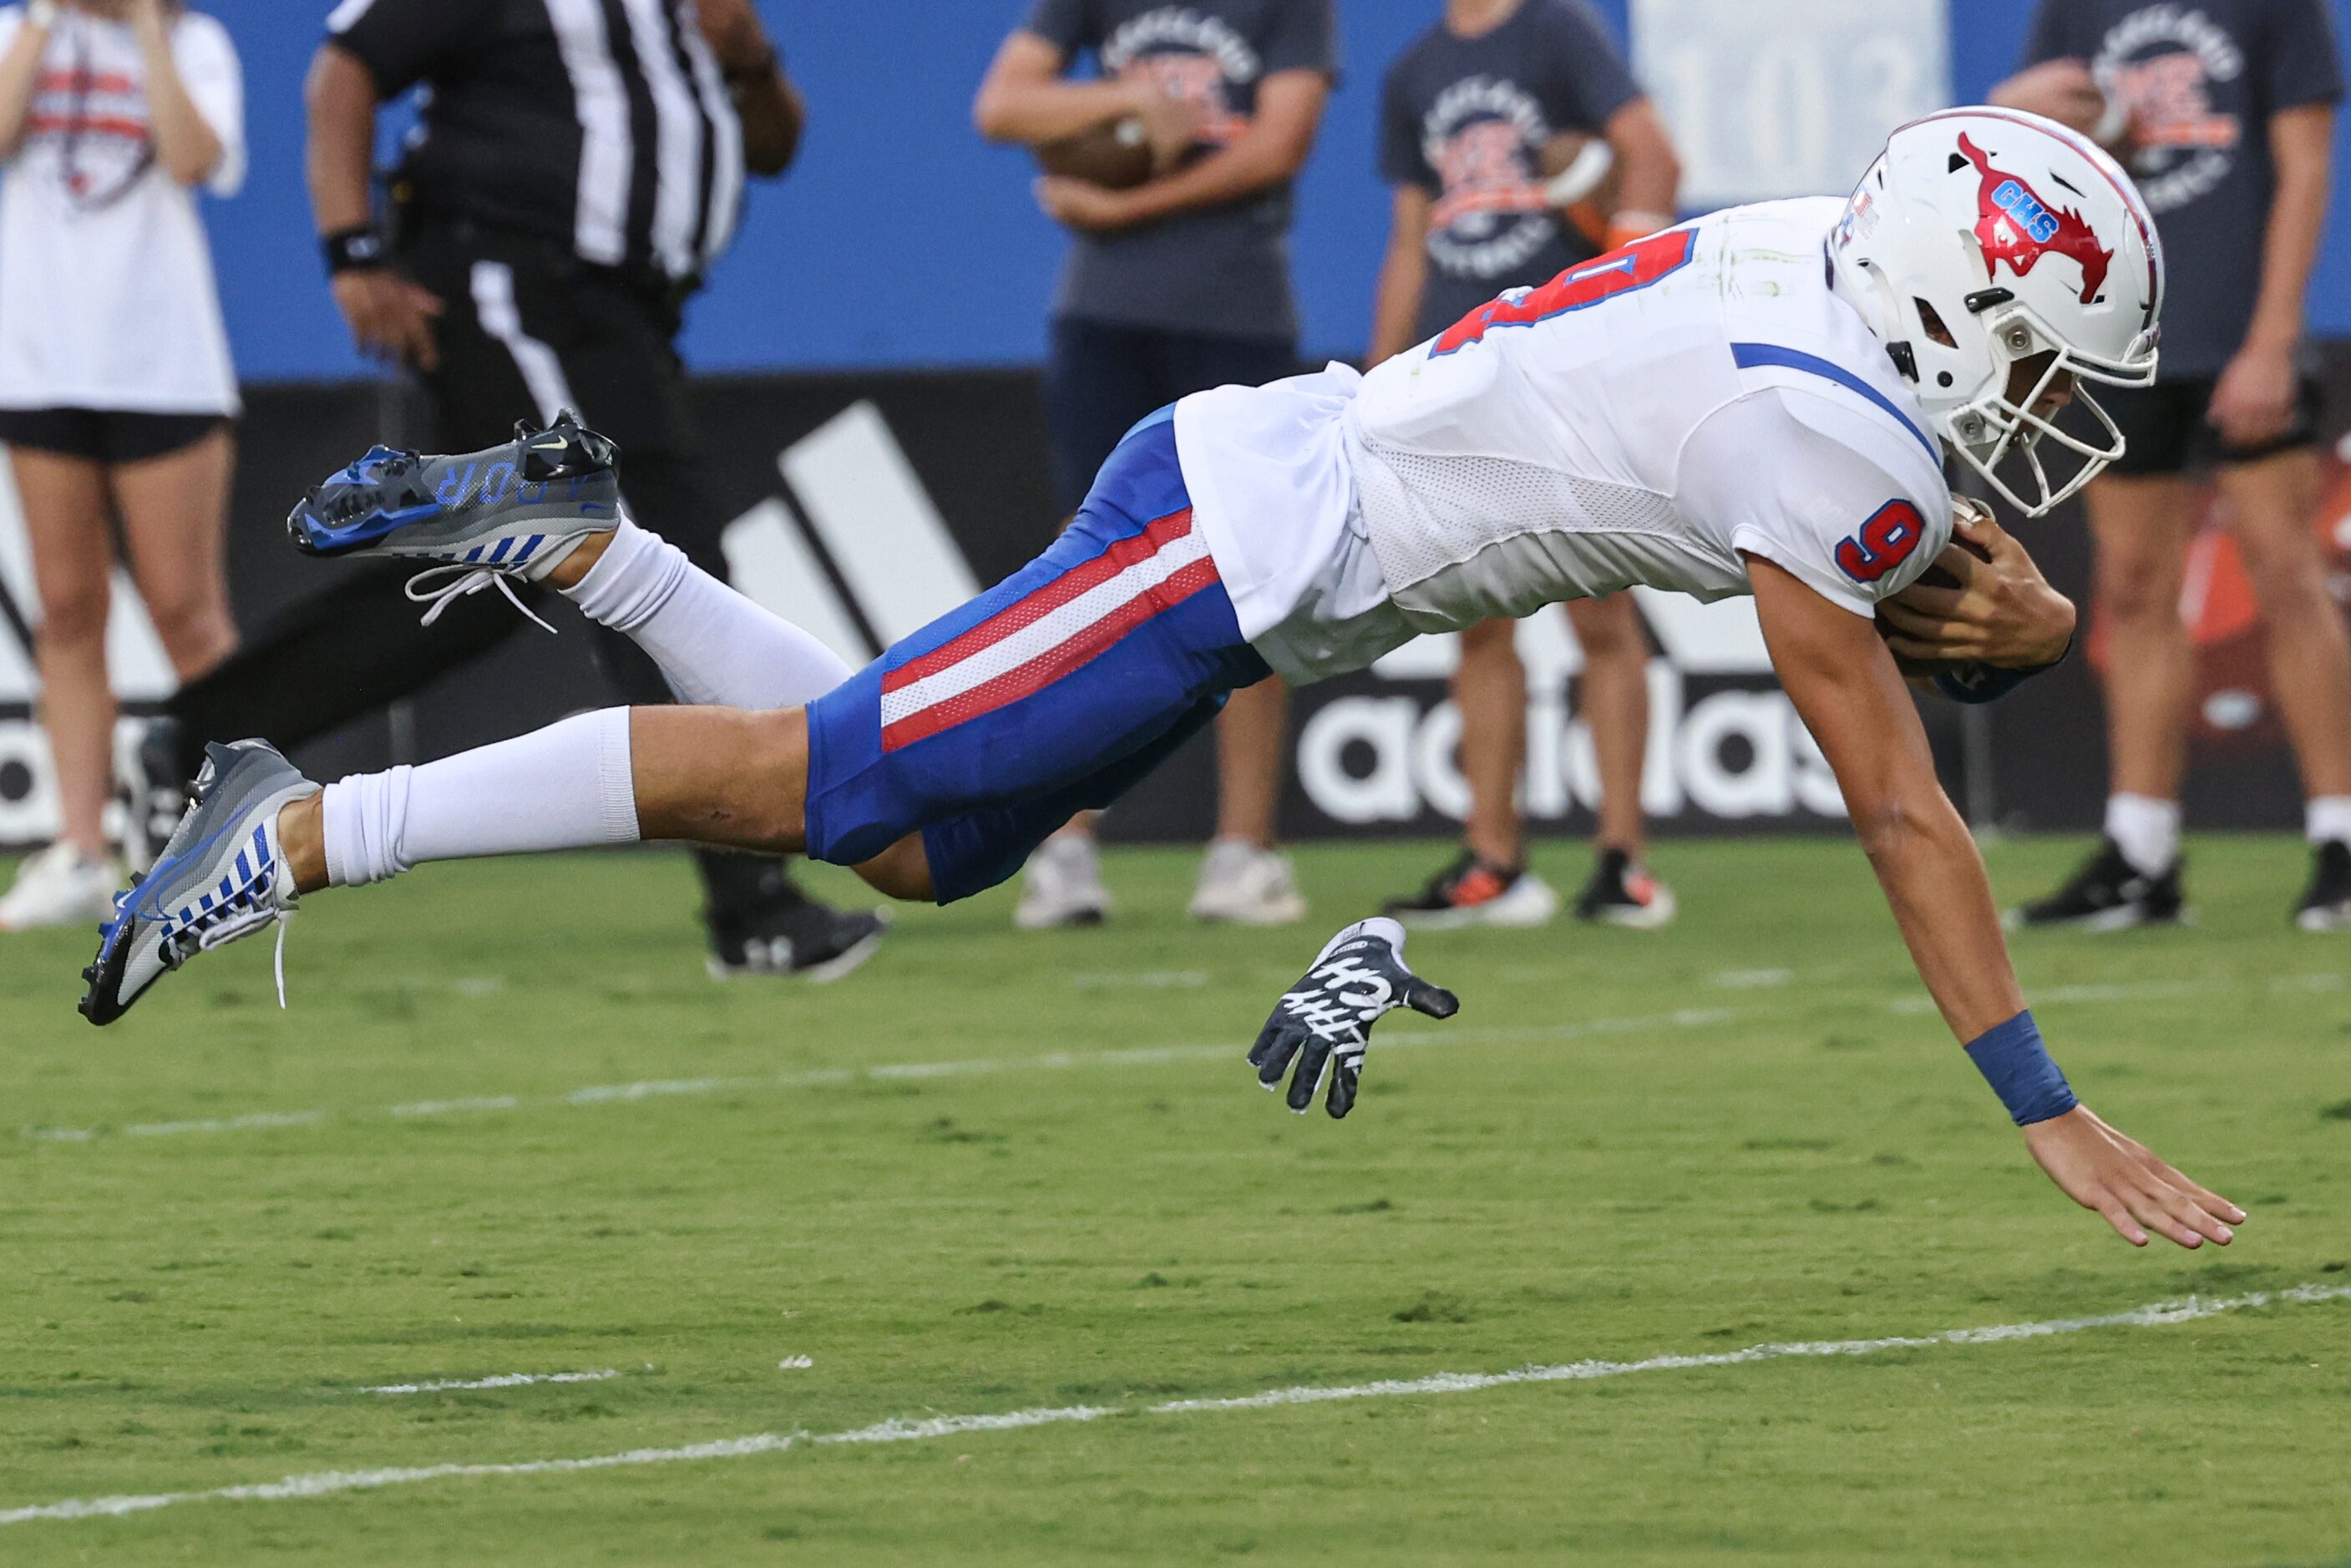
[472, 520]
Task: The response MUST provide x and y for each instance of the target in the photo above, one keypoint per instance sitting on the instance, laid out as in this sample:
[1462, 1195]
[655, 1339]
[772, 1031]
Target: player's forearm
[19, 69]
[1254, 162]
[1649, 173]
[1395, 308]
[773, 113]
[186, 146]
[1039, 111]
[339, 157]
[2077, 109]
[1934, 882]
[2298, 223]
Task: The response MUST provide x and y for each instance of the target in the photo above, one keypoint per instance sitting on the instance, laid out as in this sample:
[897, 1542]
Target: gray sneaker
[475, 519]
[220, 877]
[1245, 885]
[1062, 885]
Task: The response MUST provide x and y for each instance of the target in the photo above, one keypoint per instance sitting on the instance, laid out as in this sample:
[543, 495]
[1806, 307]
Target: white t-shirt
[1644, 420]
[106, 298]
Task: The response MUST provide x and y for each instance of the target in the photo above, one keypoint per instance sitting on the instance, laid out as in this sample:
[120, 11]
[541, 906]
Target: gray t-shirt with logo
[2202, 80]
[1465, 120]
[1222, 270]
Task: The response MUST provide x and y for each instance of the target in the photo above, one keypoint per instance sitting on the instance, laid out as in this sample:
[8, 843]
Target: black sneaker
[2326, 906]
[1623, 893]
[784, 932]
[1475, 892]
[150, 782]
[2108, 893]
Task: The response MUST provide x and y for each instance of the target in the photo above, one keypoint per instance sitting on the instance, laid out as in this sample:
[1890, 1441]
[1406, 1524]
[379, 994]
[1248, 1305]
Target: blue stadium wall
[900, 239]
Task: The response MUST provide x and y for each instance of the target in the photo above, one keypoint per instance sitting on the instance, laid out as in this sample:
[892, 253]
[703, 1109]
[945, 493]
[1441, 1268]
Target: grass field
[969, 1182]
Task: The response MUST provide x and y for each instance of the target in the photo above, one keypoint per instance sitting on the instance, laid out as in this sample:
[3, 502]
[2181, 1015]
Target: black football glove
[1324, 1021]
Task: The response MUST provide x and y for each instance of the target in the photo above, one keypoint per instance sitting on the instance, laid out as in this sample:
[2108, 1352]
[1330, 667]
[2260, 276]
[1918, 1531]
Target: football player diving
[1756, 402]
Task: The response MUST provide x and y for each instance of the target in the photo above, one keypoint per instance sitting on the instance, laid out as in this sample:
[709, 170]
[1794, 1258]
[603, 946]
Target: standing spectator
[1470, 119]
[1171, 287]
[576, 169]
[117, 392]
[2225, 113]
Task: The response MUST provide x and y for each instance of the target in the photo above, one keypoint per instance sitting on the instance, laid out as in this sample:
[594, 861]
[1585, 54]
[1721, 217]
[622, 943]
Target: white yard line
[673, 1088]
[1751, 979]
[1140, 979]
[898, 1430]
[504, 1380]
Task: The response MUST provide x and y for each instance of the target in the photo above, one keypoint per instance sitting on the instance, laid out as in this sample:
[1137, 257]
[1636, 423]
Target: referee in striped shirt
[578, 166]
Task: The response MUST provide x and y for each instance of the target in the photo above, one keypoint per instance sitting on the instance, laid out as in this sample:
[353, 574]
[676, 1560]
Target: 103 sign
[1774, 100]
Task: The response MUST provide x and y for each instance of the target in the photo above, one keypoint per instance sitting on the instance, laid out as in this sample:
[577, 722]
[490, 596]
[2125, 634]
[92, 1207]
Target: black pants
[1104, 376]
[524, 331]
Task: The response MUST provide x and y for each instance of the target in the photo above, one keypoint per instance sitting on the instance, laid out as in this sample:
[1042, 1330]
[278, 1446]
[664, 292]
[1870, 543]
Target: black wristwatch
[356, 249]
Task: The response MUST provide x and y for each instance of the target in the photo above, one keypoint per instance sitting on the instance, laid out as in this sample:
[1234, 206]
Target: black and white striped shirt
[605, 125]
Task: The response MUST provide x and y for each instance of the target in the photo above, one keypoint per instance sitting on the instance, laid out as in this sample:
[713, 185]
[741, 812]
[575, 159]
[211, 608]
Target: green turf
[1797, 1156]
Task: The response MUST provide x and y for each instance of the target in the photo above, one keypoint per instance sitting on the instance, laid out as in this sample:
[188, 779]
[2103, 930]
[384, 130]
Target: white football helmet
[1981, 237]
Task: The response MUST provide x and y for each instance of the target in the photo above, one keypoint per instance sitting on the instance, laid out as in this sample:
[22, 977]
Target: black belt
[647, 282]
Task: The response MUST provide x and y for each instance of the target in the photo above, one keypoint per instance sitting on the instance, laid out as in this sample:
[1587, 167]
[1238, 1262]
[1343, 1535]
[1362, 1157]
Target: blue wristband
[1978, 683]
[2017, 1066]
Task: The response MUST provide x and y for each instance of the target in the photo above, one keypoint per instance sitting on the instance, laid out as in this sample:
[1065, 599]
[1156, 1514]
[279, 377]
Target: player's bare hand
[2139, 1195]
[2003, 612]
[1172, 125]
[390, 317]
[732, 29]
[2255, 400]
[1081, 204]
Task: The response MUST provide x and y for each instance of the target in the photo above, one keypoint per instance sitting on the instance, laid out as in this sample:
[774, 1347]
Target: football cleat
[2108, 893]
[1621, 892]
[2327, 905]
[1476, 892]
[478, 518]
[220, 877]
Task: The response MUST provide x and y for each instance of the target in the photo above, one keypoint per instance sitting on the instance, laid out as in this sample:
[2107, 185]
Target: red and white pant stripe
[1053, 629]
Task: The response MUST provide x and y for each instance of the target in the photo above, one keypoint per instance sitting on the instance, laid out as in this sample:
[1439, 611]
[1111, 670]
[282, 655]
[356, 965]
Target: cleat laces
[245, 922]
[441, 587]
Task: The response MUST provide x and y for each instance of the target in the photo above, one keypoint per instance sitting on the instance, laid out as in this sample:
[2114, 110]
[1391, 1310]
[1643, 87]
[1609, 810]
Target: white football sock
[2327, 817]
[567, 786]
[714, 644]
[2147, 830]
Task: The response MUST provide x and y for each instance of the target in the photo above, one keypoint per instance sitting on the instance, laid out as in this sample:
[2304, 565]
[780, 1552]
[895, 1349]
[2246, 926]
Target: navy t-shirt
[1465, 120]
[1223, 270]
[2201, 81]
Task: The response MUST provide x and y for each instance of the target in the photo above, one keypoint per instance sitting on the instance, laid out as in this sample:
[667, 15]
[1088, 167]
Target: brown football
[1592, 199]
[1934, 576]
[1115, 154]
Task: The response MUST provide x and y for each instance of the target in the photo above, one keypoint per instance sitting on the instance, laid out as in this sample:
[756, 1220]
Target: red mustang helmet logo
[2019, 228]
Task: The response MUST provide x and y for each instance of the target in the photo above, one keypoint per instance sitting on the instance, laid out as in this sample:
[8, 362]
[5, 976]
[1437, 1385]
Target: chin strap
[429, 588]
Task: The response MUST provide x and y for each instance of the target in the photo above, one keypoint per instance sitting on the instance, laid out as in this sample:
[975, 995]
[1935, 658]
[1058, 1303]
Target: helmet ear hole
[1932, 320]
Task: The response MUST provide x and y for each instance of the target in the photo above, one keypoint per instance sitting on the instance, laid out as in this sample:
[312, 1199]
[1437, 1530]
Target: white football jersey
[1646, 419]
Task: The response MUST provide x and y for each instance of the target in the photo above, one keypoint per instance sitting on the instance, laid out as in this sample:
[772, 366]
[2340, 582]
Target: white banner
[1769, 99]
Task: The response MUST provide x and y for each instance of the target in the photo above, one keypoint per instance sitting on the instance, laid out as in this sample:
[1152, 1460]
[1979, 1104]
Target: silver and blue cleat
[474, 520]
[221, 877]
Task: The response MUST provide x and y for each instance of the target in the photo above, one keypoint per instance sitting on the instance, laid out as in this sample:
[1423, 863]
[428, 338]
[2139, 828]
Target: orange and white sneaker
[1623, 893]
[1476, 892]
